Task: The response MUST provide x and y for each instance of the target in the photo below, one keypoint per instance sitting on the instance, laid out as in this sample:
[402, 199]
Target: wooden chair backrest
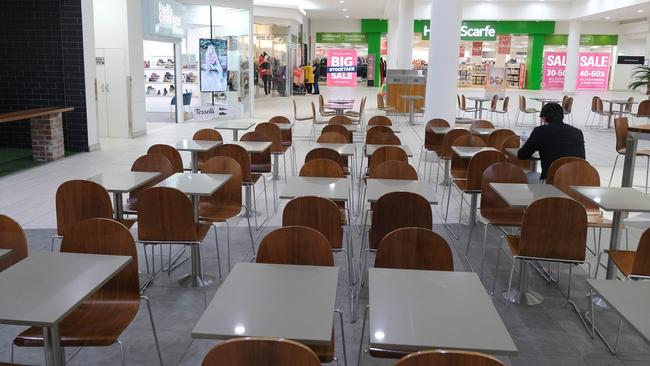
[380, 121]
[567, 105]
[552, 170]
[279, 119]
[258, 158]
[522, 103]
[644, 108]
[510, 142]
[414, 248]
[260, 352]
[506, 102]
[430, 138]
[497, 137]
[297, 245]
[554, 228]
[207, 134]
[515, 142]
[377, 130]
[386, 153]
[481, 124]
[380, 102]
[382, 138]
[394, 169]
[107, 237]
[502, 172]
[323, 168]
[448, 140]
[165, 214]
[629, 104]
[12, 237]
[477, 166]
[599, 106]
[463, 102]
[334, 137]
[577, 173]
[493, 102]
[170, 153]
[230, 193]
[641, 266]
[240, 155]
[272, 133]
[325, 153]
[154, 163]
[620, 126]
[448, 358]
[594, 103]
[321, 103]
[397, 210]
[320, 214]
[340, 120]
[78, 200]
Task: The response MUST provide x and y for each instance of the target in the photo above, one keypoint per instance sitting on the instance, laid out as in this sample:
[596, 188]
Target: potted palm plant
[641, 77]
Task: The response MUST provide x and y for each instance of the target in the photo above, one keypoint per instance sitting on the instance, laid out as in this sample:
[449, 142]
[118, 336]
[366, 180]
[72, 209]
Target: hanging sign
[495, 84]
[593, 70]
[341, 67]
[461, 52]
[504, 45]
[477, 48]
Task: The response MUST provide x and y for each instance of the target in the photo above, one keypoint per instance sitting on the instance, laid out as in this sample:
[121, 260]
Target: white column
[442, 75]
[405, 34]
[647, 44]
[573, 48]
[391, 63]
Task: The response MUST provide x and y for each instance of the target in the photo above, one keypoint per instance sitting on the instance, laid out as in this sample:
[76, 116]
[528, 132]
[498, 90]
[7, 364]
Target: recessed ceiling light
[608, 17]
[640, 11]
[345, 9]
[341, 1]
[347, 16]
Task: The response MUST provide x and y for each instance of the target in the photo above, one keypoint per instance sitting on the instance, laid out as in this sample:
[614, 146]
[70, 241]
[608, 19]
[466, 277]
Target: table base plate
[196, 281]
[531, 297]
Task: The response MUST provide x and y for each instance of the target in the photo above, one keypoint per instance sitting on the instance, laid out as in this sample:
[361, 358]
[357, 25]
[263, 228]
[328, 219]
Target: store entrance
[271, 50]
[160, 82]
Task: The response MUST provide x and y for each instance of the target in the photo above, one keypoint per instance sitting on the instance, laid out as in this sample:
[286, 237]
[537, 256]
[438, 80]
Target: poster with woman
[214, 65]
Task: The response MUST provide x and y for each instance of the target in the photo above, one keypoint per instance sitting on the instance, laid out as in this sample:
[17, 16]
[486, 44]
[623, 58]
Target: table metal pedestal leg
[196, 278]
[119, 208]
[445, 179]
[235, 135]
[472, 209]
[248, 202]
[195, 161]
[524, 295]
[52, 343]
[411, 122]
[276, 162]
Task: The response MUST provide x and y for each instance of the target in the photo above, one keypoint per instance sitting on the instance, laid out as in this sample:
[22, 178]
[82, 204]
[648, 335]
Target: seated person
[554, 139]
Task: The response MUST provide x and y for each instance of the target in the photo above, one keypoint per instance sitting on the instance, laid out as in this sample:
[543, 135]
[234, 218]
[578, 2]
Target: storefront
[357, 41]
[278, 45]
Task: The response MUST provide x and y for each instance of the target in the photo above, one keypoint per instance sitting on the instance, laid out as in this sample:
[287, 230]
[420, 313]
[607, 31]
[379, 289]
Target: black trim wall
[41, 64]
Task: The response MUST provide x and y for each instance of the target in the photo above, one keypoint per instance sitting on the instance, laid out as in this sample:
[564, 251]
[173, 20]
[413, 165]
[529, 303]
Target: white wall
[622, 73]
[590, 27]
[88, 30]
[331, 25]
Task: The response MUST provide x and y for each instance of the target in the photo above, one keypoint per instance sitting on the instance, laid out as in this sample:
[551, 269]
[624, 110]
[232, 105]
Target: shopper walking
[265, 71]
[316, 76]
[309, 77]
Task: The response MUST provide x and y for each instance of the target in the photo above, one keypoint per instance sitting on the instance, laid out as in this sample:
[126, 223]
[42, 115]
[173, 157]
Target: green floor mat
[13, 160]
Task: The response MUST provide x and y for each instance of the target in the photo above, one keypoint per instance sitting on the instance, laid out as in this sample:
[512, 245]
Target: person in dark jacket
[316, 76]
[554, 139]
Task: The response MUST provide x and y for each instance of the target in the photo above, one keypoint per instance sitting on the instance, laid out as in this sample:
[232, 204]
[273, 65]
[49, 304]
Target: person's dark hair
[552, 113]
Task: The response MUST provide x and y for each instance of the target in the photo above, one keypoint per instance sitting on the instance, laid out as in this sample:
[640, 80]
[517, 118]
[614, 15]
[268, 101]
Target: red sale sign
[341, 67]
[593, 70]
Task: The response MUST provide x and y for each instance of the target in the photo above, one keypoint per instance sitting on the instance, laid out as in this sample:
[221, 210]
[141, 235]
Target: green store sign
[489, 30]
[341, 38]
[585, 40]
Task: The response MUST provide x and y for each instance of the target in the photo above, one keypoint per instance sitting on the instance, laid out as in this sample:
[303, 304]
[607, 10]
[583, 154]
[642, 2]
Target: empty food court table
[413, 311]
[335, 189]
[478, 105]
[371, 148]
[195, 185]
[483, 132]
[468, 152]
[339, 108]
[543, 101]
[195, 147]
[120, 182]
[412, 99]
[521, 196]
[272, 300]
[621, 106]
[629, 299]
[254, 147]
[619, 201]
[347, 151]
[234, 126]
[379, 187]
[41, 290]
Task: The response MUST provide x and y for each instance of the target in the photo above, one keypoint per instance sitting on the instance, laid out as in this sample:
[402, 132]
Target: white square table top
[370, 149]
[272, 300]
[546, 100]
[284, 126]
[395, 129]
[618, 101]
[519, 195]
[45, 287]
[335, 189]
[341, 101]
[233, 125]
[629, 299]
[420, 310]
[338, 106]
[616, 199]
[514, 151]
[5, 252]
[199, 184]
[197, 145]
[343, 149]
[379, 187]
[464, 121]
[467, 152]
[123, 181]
[483, 131]
[441, 130]
[253, 147]
[479, 99]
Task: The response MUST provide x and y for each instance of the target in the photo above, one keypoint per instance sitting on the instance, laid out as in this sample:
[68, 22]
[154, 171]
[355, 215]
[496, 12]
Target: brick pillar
[47, 137]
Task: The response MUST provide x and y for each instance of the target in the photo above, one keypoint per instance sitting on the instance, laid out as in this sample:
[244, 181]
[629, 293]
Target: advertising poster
[371, 67]
[213, 55]
[505, 43]
[341, 67]
[477, 48]
[495, 83]
[461, 52]
[593, 70]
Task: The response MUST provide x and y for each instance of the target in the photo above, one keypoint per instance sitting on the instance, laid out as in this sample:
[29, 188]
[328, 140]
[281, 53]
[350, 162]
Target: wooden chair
[567, 106]
[379, 121]
[323, 168]
[394, 169]
[328, 129]
[382, 138]
[327, 153]
[550, 175]
[357, 115]
[287, 138]
[621, 126]
[324, 216]
[378, 130]
[340, 120]
[445, 149]
[154, 163]
[170, 153]
[503, 112]
[226, 202]
[321, 108]
[101, 318]
[12, 237]
[206, 134]
[299, 245]
[382, 106]
[497, 137]
[166, 216]
[481, 123]
[632, 264]
[448, 358]
[386, 153]
[308, 117]
[523, 111]
[260, 352]
[643, 111]
[278, 148]
[414, 248]
[78, 200]
[565, 243]
[432, 141]
[460, 165]
[260, 164]
[592, 111]
[463, 106]
[601, 112]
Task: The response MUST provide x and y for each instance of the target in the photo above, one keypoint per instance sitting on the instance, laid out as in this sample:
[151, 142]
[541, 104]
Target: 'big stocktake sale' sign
[593, 70]
[341, 67]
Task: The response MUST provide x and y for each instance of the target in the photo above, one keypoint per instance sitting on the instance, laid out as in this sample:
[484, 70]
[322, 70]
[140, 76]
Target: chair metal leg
[250, 232]
[53, 239]
[216, 245]
[647, 171]
[484, 247]
[153, 328]
[512, 272]
[363, 331]
[345, 351]
[614, 169]
[123, 358]
[496, 271]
